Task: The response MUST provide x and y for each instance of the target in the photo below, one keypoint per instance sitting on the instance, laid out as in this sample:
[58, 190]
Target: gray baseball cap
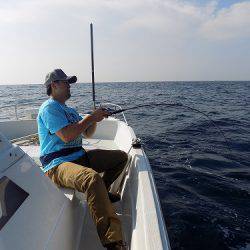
[58, 75]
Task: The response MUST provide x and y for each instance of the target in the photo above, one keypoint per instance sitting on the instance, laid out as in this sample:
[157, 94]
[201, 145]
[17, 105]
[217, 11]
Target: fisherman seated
[60, 130]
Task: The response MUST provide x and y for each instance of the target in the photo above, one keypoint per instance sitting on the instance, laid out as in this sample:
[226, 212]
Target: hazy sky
[135, 40]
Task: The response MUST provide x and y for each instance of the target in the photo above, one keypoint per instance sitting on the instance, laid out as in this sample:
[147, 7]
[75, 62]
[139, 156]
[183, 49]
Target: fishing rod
[92, 64]
[113, 112]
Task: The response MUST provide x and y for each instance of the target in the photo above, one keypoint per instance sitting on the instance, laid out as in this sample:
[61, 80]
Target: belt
[46, 159]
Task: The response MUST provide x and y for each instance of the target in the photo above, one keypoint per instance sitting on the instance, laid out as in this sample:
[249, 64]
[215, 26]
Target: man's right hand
[71, 131]
[99, 114]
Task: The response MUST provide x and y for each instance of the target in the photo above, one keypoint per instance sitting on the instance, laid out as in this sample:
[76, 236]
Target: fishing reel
[111, 111]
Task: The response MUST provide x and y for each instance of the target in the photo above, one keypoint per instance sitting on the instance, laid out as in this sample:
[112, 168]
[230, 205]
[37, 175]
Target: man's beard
[68, 95]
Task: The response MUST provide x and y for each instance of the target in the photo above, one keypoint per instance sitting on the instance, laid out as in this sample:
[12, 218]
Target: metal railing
[17, 106]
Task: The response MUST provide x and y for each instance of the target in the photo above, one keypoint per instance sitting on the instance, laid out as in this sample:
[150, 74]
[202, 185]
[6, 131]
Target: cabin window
[11, 198]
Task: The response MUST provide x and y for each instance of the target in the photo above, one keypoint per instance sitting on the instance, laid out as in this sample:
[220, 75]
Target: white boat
[35, 214]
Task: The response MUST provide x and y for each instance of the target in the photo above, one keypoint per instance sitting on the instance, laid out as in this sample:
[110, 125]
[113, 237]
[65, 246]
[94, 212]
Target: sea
[200, 161]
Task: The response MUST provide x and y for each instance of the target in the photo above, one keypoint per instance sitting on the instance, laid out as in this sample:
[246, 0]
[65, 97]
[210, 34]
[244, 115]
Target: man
[64, 160]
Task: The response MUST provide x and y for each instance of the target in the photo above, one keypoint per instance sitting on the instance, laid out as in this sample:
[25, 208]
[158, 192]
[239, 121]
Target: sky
[134, 40]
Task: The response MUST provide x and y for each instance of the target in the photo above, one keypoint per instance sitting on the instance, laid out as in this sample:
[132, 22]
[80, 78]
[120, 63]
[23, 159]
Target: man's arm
[90, 130]
[72, 131]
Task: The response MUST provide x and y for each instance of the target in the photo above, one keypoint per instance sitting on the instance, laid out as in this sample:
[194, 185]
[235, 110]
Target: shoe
[114, 197]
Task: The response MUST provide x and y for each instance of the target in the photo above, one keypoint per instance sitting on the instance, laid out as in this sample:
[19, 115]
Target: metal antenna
[92, 64]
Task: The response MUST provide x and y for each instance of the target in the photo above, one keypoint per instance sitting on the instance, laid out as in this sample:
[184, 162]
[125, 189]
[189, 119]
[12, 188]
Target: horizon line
[155, 81]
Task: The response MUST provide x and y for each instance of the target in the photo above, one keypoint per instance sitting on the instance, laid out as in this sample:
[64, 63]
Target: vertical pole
[16, 111]
[92, 64]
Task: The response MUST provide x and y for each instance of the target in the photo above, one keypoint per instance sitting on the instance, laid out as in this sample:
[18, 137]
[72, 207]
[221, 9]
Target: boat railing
[34, 107]
[10, 106]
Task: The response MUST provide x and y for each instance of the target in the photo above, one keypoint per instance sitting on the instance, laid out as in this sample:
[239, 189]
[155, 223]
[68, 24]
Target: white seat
[33, 151]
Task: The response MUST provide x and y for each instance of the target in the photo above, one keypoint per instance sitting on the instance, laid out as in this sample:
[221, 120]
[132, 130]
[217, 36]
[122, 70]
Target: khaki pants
[83, 176]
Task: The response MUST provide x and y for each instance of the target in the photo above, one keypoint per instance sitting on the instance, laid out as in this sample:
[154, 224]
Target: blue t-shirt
[52, 117]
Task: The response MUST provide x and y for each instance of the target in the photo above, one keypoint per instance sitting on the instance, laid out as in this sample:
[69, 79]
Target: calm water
[204, 187]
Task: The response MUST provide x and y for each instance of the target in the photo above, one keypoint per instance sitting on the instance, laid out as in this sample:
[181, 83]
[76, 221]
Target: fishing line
[180, 105]
[113, 112]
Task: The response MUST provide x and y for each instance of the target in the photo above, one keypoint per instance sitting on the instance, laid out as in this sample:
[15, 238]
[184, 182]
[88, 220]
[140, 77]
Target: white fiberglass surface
[138, 219]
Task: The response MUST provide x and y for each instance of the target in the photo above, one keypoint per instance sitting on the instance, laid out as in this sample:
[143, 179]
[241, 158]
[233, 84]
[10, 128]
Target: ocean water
[203, 179]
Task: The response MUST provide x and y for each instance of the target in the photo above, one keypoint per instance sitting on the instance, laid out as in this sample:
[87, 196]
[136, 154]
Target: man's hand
[86, 126]
[99, 114]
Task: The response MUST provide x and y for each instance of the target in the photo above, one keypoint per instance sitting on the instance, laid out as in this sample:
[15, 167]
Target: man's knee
[94, 179]
[87, 180]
